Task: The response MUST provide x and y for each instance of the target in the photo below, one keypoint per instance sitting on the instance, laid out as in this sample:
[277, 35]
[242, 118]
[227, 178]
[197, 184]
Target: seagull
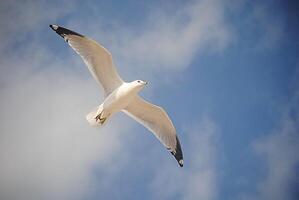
[120, 95]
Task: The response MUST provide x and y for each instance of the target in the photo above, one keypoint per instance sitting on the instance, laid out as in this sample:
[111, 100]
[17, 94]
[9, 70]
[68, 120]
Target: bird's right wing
[157, 121]
[96, 57]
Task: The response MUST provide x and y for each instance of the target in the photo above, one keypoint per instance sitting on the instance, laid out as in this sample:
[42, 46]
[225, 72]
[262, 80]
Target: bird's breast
[118, 99]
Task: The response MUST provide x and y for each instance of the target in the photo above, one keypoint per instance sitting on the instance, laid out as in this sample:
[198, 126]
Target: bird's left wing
[157, 121]
[95, 56]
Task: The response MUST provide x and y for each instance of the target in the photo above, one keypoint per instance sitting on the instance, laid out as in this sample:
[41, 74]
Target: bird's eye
[138, 81]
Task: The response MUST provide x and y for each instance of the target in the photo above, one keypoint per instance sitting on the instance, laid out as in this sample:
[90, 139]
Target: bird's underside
[99, 118]
[100, 64]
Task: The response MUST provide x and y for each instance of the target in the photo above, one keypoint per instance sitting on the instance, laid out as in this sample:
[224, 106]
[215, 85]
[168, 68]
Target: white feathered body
[119, 98]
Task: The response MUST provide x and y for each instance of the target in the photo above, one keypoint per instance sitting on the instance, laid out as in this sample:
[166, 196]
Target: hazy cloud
[268, 28]
[172, 40]
[279, 150]
[166, 42]
[21, 20]
[198, 178]
[47, 149]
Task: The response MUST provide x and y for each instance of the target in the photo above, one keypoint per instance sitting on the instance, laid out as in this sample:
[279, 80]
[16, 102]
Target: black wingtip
[63, 31]
[178, 154]
[181, 164]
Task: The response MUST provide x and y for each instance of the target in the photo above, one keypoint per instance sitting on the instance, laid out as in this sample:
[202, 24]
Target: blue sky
[226, 71]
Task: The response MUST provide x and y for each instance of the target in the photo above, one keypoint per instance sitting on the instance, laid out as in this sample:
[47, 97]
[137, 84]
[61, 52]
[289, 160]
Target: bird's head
[138, 84]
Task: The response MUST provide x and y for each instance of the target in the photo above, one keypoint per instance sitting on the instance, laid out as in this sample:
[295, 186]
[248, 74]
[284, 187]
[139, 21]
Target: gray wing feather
[98, 59]
[157, 121]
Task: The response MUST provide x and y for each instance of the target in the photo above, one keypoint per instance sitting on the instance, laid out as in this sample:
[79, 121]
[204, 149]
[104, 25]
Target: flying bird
[120, 95]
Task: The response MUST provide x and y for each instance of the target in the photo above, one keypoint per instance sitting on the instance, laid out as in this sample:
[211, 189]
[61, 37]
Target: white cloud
[171, 41]
[279, 151]
[268, 28]
[198, 178]
[19, 20]
[166, 42]
[47, 149]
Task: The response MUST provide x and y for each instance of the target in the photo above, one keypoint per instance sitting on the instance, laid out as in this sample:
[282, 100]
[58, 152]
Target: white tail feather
[90, 117]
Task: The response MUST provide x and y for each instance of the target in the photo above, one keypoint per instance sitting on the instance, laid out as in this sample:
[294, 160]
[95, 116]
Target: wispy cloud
[279, 151]
[167, 42]
[268, 29]
[47, 149]
[172, 40]
[22, 20]
[199, 178]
